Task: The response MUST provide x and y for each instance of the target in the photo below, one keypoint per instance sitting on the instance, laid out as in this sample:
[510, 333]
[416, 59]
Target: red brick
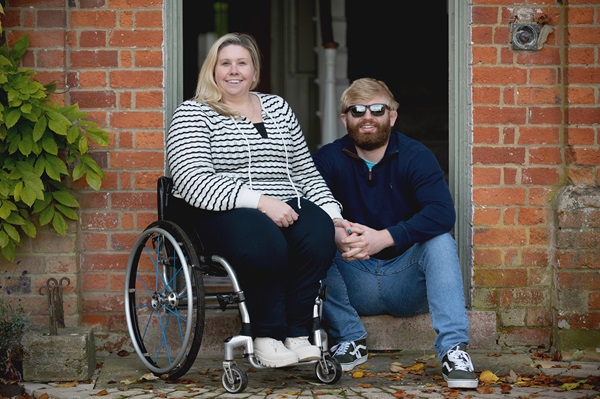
[500, 277]
[498, 196]
[499, 236]
[498, 155]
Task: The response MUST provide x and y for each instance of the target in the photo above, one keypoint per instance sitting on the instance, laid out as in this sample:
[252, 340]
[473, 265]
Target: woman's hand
[278, 211]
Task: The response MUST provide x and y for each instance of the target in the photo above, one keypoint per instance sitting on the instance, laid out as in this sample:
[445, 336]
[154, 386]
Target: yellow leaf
[416, 367]
[358, 374]
[569, 386]
[488, 376]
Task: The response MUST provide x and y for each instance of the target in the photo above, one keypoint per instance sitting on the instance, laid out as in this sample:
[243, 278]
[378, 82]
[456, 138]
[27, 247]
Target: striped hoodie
[220, 163]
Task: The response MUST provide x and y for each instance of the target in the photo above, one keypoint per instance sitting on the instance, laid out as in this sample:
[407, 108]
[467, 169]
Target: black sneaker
[457, 368]
[350, 353]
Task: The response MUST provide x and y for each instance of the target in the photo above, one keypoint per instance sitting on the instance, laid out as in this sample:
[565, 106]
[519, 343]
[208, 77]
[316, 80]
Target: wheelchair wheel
[328, 370]
[164, 300]
[237, 382]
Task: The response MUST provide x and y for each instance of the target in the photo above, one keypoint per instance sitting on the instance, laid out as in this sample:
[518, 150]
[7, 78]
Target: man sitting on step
[395, 252]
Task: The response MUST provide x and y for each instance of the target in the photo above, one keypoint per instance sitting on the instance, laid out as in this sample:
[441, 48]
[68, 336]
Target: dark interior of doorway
[243, 16]
[408, 50]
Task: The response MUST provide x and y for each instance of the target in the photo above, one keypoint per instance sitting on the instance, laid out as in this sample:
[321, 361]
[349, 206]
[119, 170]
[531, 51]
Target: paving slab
[387, 374]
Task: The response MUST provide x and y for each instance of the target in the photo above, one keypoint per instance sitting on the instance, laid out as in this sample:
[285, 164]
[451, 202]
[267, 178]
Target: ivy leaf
[26, 144]
[29, 229]
[6, 209]
[93, 180]
[73, 134]
[58, 123]
[68, 212]
[83, 145]
[12, 118]
[65, 198]
[98, 135]
[39, 128]
[20, 47]
[49, 144]
[78, 171]
[55, 167]
[8, 251]
[15, 218]
[12, 233]
[59, 224]
[46, 215]
[4, 240]
[41, 204]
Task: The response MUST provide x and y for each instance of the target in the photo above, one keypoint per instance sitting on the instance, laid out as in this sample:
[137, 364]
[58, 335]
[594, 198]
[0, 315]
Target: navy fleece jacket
[405, 192]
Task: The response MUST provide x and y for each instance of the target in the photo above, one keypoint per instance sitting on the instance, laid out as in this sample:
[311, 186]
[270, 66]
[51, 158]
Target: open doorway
[199, 27]
[409, 52]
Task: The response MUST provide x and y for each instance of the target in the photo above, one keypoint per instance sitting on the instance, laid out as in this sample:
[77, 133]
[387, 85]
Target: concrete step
[384, 332]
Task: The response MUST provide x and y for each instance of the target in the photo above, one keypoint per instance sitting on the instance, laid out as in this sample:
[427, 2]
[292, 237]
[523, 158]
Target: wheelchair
[165, 302]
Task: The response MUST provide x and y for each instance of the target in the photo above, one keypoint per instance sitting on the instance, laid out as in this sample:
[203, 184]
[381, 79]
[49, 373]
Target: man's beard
[370, 141]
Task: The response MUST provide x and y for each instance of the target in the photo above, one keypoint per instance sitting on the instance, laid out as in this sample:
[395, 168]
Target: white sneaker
[271, 352]
[303, 348]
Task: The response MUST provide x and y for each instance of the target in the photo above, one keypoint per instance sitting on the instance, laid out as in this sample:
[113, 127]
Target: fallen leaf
[505, 388]
[358, 374]
[488, 377]
[149, 377]
[416, 367]
[68, 384]
[569, 386]
[485, 389]
[364, 385]
[43, 396]
[396, 367]
[512, 377]
[103, 392]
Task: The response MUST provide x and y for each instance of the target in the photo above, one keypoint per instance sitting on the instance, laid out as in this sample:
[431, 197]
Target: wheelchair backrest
[163, 190]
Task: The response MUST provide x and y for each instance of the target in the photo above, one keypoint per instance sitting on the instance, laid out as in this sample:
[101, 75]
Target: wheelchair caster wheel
[328, 370]
[235, 380]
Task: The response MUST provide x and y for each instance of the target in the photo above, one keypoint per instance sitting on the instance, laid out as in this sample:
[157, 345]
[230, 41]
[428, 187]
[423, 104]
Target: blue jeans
[426, 277]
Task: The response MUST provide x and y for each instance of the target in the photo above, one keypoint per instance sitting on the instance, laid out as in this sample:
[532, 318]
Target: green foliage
[43, 148]
[13, 322]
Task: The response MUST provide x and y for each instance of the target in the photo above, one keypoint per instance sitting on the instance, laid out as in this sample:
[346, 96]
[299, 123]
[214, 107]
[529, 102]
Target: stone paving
[411, 374]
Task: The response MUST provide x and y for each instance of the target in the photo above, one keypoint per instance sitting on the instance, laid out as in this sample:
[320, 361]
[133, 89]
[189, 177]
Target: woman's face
[234, 71]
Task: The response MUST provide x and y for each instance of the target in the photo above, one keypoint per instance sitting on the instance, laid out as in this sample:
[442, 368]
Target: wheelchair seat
[165, 301]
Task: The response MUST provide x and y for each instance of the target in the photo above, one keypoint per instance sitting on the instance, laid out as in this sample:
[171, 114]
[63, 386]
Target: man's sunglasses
[359, 110]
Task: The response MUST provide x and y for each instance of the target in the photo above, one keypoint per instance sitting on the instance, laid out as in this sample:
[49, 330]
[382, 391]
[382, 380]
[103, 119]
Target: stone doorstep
[384, 332]
[68, 356]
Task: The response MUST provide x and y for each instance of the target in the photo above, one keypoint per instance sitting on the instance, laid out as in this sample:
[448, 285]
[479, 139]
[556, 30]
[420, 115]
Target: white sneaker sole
[462, 383]
[350, 366]
[279, 362]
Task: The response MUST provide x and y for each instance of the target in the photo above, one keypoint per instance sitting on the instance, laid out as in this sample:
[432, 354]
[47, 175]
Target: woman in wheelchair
[241, 166]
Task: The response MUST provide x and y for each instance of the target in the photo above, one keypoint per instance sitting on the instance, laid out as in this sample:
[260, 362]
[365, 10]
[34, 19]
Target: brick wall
[106, 55]
[534, 130]
[577, 306]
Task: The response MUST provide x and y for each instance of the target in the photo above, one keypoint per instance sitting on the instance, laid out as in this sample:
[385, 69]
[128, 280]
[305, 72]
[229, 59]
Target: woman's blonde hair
[362, 90]
[207, 90]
